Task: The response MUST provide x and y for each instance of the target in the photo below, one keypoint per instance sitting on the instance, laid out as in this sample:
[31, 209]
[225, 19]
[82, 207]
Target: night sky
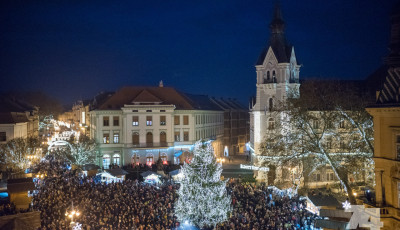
[74, 49]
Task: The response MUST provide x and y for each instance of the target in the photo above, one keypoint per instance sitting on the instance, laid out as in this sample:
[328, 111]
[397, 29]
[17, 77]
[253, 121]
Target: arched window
[271, 104]
[268, 76]
[116, 159]
[149, 159]
[273, 76]
[163, 138]
[106, 161]
[135, 159]
[271, 123]
[135, 138]
[149, 139]
[164, 158]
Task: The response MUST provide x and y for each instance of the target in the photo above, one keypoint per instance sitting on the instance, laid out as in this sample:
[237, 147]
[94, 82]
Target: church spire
[277, 24]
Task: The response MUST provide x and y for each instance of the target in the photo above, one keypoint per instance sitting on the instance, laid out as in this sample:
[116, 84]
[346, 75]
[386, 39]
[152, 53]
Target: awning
[177, 154]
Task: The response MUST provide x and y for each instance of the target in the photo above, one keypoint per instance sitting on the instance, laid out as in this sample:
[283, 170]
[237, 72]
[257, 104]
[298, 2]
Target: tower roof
[282, 49]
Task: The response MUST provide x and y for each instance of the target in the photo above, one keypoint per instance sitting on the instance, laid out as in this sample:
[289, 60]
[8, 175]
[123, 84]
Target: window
[149, 120]
[271, 123]
[135, 138]
[329, 143]
[268, 76]
[135, 121]
[342, 124]
[135, 159]
[149, 111]
[185, 120]
[318, 177]
[163, 120]
[3, 136]
[116, 138]
[149, 159]
[149, 138]
[177, 136]
[116, 159]
[398, 147]
[106, 161]
[106, 138]
[176, 120]
[331, 176]
[163, 137]
[83, 118]
[135, 111]
[164, 158]
[116, 121]
[106, 121]
[185, 136]
[315, 124]
[162, 111]
[271, 104]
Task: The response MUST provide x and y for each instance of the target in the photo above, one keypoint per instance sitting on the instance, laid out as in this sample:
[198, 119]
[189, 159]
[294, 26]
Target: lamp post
[73, 213]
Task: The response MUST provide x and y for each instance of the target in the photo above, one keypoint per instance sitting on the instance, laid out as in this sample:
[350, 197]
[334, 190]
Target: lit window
[106, 161]
[116, 138]
[135, 121]
[116, 159]
[163, 120]
[177, 136]
[106, 121]
[106, 138]
[164, 158]
[149, 160]
[149, 120]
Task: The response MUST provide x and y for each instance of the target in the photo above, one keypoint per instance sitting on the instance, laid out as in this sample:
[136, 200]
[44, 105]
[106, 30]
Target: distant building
[79, 116]
[17, 119]
[386, 113]
[236, 126]
[143, 124]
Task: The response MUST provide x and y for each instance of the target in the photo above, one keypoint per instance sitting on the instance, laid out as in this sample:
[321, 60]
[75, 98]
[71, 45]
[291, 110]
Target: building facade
[17, 119]
[144, 124]
[277, 79]
[236, 127]
[386, 114]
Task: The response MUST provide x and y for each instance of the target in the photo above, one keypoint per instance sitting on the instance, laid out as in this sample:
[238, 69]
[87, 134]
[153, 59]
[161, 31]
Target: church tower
[277, 79]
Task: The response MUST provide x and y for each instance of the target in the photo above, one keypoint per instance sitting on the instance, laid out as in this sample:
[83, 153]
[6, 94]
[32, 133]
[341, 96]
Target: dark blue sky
[74, 49]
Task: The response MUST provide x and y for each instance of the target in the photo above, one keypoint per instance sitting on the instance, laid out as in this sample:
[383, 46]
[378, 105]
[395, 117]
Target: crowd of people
[260, 207]
[126, 205]
[135, 205]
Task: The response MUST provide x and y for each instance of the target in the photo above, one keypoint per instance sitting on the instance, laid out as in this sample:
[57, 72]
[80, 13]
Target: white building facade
[144, 124]
[277, 79]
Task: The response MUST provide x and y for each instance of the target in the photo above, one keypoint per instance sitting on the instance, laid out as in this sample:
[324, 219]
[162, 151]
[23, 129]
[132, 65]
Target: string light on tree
[203, 200]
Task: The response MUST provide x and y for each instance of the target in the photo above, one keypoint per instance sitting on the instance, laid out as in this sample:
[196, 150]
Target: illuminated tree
[326, 126]
[18, 153]
[80, 153]
[203, 200]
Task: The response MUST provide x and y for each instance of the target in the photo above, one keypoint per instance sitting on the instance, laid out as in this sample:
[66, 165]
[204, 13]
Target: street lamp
[73, 213]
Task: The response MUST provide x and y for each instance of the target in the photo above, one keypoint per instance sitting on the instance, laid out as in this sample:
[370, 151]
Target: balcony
[149, 145]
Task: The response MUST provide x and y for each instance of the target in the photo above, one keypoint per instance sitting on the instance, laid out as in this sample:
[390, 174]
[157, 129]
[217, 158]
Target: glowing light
[346, 205]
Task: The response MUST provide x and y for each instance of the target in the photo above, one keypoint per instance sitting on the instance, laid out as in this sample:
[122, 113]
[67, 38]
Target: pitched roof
[160, 95]
[324, 200]
[13, 118]
[146, 96]
[117, 172]
[390, 92]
